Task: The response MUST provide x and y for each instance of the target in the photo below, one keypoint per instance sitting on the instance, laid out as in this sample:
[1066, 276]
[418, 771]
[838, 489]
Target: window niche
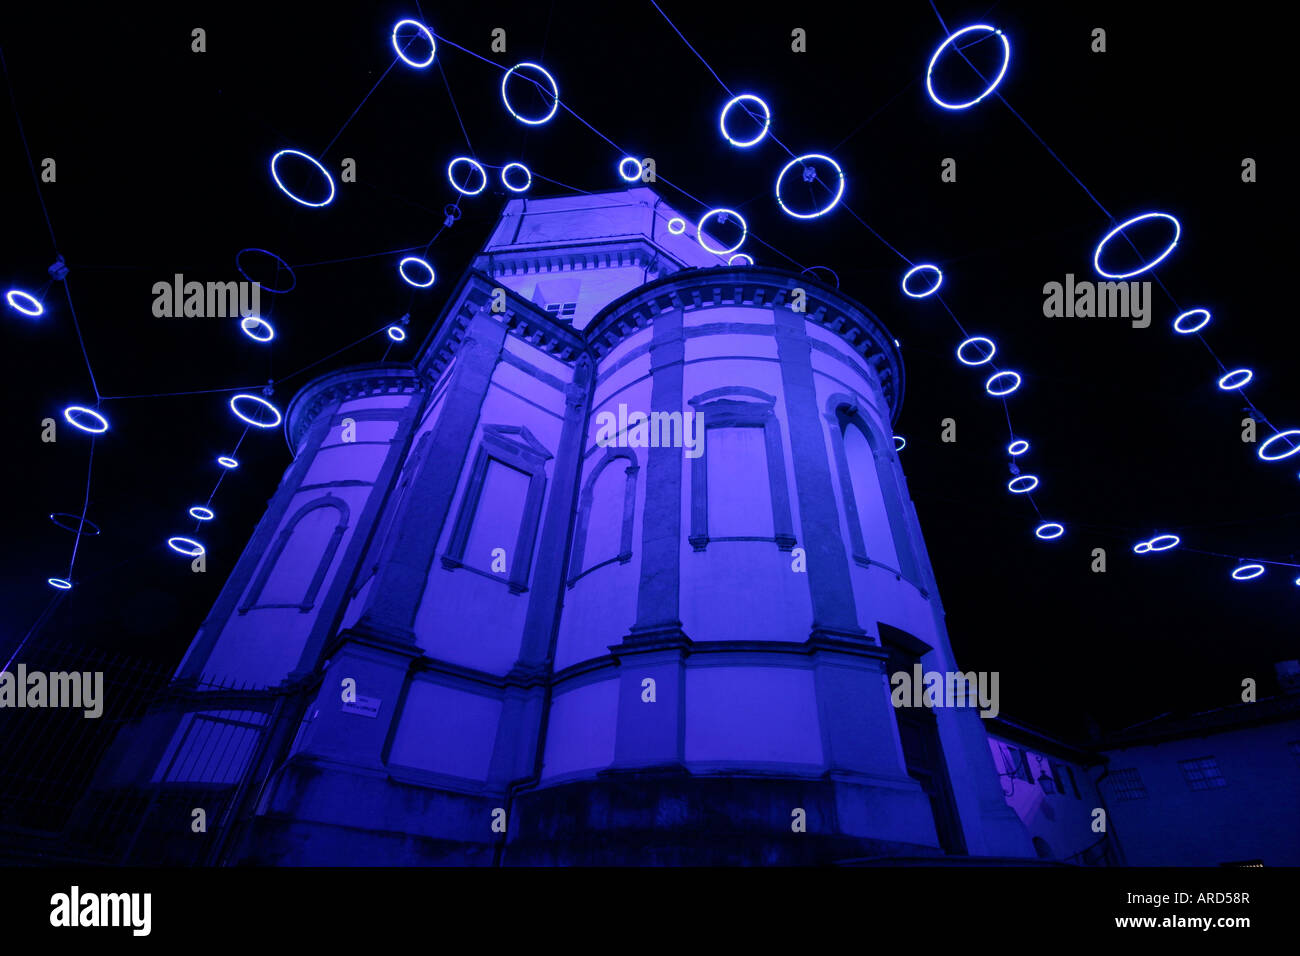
[315, 528]
[605, 507]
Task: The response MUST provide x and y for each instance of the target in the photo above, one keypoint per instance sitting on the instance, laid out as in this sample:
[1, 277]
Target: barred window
[1127, 785]
[1202, 773]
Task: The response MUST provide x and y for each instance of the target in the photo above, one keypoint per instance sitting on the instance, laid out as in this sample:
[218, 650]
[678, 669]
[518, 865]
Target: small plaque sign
[364, 706]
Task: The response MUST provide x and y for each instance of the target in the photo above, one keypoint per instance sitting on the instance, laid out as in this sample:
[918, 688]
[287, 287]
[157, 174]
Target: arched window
[606, 509]
[295, 567]
[873, 516]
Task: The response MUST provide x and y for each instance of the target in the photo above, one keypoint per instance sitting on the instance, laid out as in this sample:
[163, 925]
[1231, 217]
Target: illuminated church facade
[533, 637]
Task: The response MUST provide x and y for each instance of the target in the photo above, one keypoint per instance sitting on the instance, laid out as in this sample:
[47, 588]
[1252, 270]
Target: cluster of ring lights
[925, 268]
[397, 333]
[699, 231]
[767, 120]
[16, 296]
[1183, 326]
[1236, 379]
[1008, 382]
[422, 30]
[809, 175]
[202, 513]
[476, 166]
[186, 546]
[555, 93]
[984, 354]
[275, 174]
[260, 403]
[416, 263]
[636, 169]
[1002, 71]
[1022, 484]
[676, 226]
[257, 328]
[1148, 264]
[1161, 542]
[1247, 572]
[1049, 530]
[86, 419]
[505, 178]
[225, 461]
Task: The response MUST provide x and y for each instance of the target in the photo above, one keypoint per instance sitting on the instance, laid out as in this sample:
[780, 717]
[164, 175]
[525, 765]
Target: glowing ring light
[1172, 541]
[899, 443]
[433, 47]
[251, 322]
[1237, 378]
[1006, 61]
[74, 412]
[1096, 256]
[988, 386]
[699, 231]
[452, 179]
[1296, 582]
[636, 176]
[200, 513]
[61, 584]
[225, 461]
[397, 333]
[677, 222]
[741, 255]
[767, 121]
[259, 401]
[81, 521]
[984, 359]
[930, 291]
[192, 552]
[812, 271]
[1252, 571]
[1286, 454]
[516, 189]
[555, 94]
[1049, 530]
[1018, 447]
[279, 263]
[1183, 330]
[13, 294]
[285, 189]
[1032, 483]
[1142, 547]
[820, 212]
[401, 268]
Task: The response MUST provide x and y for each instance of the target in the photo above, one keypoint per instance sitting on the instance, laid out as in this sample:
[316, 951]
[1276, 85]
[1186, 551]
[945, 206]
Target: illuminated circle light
[938, 281]
[676, 225]
[749, 260]
[1247, 572]
[528, 177]
[256, 400]
[984, 357]
[1012, 377]
[193, 551]
[397, 333]
[1142, 547]
[251, 324]
[279, 264]
[401, 268]
[636, 172]
[1021, 484]
[555, 94]
[61, 584]
[1161, 542]
[200, 513]
[285, 189]
[1295, 446]
[1237, 378]
[75, 416]
[1006, 61]
[799, 160]
[433, 47]
[456, 186]
[15, 294]
[86, 526]
[1049, 530]
[767, 121]
[1096, 256]
[899, 443]
[1018, 447]
[1183, 329]
[225, 461]
[699, 231]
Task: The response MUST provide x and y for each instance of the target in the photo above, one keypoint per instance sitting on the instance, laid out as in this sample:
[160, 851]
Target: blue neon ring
[1286, 454]
[699, 231]
[680, 223]
[397, 333]
[971, 341]
[1006, 61]
[988, 386]
[200, 513]
[1142, 547]
[1033, 483]
[82, 523]
[1178, 322]
[257, 322]
[61, 584]
[767, 121]
[1238, 576]
[1018, 447]
[1044, 530]
[193, 552]
[1173, 540]
[930, 291]
[401, 268]
[293, 276]
[452, 179]
[1228, 384]
[555, 94]
[260, 401]
[9, 297]
[516, 189]
[225, 461]
[624, 176]
[899, 443]
[829, 206]
[428, 35]
[741, 255]
[1096, 256]
[285, 189]
[82, 411]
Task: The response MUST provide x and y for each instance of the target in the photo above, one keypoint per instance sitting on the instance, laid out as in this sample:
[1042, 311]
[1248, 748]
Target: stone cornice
[354, 381]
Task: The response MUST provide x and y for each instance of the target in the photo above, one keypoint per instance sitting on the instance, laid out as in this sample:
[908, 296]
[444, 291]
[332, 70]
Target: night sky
[162, 167]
